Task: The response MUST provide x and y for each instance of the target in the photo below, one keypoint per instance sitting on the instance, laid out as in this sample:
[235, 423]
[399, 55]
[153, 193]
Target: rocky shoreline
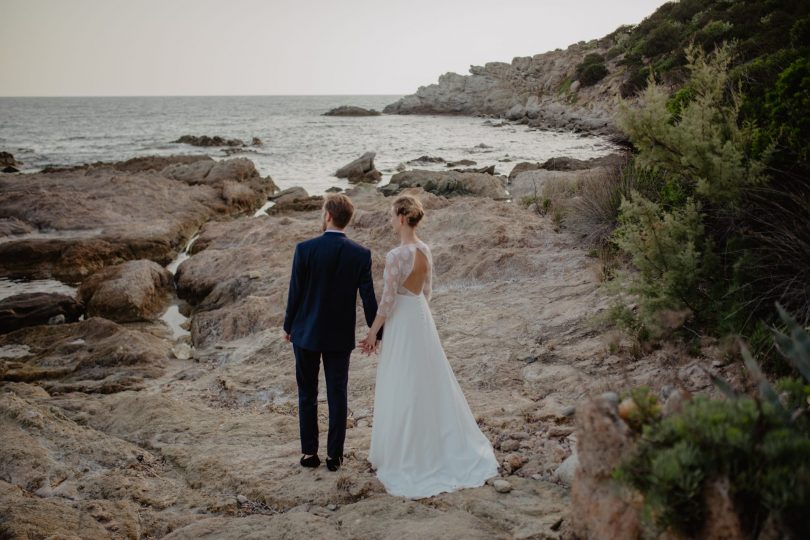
[542, 91]
[115, 427]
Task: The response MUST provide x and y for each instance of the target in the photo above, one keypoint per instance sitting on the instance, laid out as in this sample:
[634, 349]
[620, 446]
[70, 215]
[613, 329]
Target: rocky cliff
[544, 89]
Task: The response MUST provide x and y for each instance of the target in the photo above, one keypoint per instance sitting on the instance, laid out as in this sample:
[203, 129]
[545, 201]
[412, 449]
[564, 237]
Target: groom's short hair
[340, 207]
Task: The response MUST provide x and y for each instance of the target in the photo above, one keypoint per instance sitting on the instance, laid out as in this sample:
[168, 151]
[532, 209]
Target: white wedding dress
[424, 438]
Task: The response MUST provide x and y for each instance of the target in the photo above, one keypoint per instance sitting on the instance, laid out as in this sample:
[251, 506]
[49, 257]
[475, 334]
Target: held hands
[369, 345]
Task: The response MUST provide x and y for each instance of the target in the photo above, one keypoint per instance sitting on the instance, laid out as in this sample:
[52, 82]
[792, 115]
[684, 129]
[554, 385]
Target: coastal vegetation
[706, 235]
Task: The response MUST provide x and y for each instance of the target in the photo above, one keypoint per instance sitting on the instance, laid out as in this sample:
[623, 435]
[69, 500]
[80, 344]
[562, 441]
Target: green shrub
[592, 69]
[760, 443]
[592, 74]
[675, 264]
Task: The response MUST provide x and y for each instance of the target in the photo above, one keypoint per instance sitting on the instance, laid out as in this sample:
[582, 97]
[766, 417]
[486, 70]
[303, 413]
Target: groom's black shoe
[334, 464]
[311, 461]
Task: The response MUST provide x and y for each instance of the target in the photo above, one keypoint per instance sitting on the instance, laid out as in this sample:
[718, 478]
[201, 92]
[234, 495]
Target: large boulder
[351, 110]
[69, 223]
[523, 166]
[294, 199]
[30, 309]
[448, 183]
[565, 163]
[128, 292]
[360, 170]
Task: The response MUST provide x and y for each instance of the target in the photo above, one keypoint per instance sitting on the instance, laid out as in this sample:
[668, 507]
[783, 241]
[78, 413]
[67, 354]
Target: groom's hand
[286, 337]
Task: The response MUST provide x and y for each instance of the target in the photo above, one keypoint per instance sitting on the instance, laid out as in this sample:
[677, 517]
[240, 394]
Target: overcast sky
[247, 47]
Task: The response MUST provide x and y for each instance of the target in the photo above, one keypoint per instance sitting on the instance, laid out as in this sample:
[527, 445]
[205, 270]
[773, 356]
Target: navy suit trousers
[336, 373]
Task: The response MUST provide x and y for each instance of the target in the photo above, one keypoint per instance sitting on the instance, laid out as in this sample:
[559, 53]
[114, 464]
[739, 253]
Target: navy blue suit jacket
[327, 272]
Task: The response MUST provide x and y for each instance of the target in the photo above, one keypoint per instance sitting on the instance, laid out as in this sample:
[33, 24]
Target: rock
[241, 499]
[569, 411]
[521, 167]
[674, 402]
[461, 162]
[599, 509]
[534, 89]
[98, 216]
[351, 110]
[502, 486]
[205, 140]
[289, 196]
[447, 183]
[295, 199]
[572, 164]
[422, 160]
[93, 356]
[519, 435]
[128, 292]
[565, 472]
[510, 445]
[30, 309]
[182, 351]
[8, 163]
[334, 189]
[256, 142]
[57, 319]
[611, 397]
[481, 170]
[360, 170]
[513, 463]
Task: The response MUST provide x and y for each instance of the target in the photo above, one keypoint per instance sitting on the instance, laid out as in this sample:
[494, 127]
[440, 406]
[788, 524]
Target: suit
[327, 273]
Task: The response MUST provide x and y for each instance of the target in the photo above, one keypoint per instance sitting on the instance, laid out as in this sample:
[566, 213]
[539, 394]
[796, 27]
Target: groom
[327, 272]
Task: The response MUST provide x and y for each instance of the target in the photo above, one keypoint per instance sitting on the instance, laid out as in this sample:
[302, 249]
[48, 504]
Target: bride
[424, 438]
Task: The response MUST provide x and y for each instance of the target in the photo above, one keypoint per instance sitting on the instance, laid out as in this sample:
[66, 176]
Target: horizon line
[194, 95]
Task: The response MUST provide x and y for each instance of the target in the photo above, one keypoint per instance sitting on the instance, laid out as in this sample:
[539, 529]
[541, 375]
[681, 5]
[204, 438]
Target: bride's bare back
[416, 280]
[408, 270]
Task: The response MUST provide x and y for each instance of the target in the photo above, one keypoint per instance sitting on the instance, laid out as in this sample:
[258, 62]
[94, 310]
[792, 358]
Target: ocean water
[301, 147]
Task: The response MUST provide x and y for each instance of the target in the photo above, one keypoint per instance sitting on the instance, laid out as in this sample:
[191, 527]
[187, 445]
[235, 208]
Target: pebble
[241, 499]
[332, 507]
[510, 446]
[612, 397]
[520, 435]
[569, 411]
[502, 486]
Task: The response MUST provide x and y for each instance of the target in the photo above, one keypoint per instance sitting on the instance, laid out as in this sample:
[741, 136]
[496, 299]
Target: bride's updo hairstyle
[410, 207]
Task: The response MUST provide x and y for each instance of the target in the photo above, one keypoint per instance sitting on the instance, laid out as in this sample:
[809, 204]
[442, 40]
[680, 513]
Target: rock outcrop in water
[8, 164]
[85, 218]
[539, 90]
[351, 110]
[216, 140]
[361, 169]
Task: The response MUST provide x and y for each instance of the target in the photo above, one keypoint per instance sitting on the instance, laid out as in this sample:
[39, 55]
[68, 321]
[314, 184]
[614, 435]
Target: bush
[759, 443]
[592, 69]
[594, 214]
[592, 74]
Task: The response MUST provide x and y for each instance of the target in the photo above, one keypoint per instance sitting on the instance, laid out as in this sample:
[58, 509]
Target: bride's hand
[369, 345]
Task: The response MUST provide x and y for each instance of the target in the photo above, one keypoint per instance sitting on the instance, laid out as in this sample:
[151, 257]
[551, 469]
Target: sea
[301, 147]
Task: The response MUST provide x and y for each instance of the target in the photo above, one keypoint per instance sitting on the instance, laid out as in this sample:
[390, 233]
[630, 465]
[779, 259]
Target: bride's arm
[389, 295]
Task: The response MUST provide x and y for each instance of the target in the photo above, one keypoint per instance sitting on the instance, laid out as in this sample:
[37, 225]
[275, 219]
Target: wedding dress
[424, 438]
